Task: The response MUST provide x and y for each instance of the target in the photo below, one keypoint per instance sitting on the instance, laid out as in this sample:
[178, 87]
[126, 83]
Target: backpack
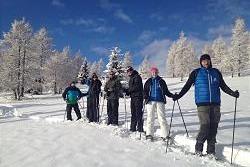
[72, 97]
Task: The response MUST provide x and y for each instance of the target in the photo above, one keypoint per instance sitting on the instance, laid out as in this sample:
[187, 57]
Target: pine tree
[18, 56]
[185, 56]
[42, 50]
[171, 60]
[207, 49]
[114, 63]
[220, 52]
[84, 70]
[144, 68]
[239, 44]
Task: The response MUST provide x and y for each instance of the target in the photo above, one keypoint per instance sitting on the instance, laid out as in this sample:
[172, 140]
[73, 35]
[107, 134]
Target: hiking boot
[149, 137]
[198, 153]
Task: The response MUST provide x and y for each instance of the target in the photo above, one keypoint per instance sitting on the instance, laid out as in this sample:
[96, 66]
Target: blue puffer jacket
[156, 93]
[207, 86]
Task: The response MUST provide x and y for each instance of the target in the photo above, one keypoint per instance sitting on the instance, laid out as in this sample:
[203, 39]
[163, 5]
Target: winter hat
[94, 75]
[73, 82]
[154, 69]
[129, 68]
[205, 57]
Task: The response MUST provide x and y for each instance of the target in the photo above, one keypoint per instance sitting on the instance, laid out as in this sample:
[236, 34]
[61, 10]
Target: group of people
[207, 82]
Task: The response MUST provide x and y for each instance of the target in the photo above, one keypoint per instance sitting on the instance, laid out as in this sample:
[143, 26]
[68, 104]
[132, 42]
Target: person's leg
[162, 119]
[204, 120]
[68, 109]
[109, 111]
[89, 109]
[151, 107]
[139, 114]
[214, 121]
[77, 111]
[94, 109]
[133, 115]
[115, 106]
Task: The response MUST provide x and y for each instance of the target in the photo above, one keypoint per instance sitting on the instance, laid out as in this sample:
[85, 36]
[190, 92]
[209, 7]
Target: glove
[236, 94]
[175, 97]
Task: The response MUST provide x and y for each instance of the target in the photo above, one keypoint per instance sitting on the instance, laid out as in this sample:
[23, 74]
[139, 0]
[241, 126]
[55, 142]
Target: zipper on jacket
[209, 86]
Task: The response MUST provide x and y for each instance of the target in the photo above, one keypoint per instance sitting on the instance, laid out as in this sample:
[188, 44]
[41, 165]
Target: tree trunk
[23, 73]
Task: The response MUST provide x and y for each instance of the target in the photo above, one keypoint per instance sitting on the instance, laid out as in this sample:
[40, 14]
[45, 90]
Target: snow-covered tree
[127, 61]
[42, 50]
[220, 52]
[144, 68]
[99, 69]
[171, 60]
[84, 70]
[185, 59]
[114, 63]
[239, 44]
[207, 49]
[93, 68]
[17, 58]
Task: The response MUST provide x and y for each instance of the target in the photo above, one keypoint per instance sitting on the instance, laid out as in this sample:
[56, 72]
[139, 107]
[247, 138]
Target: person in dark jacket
[71, 95]
[93, 99]
[135, 91]
[155, 90]
[113, 89]
[207, 82]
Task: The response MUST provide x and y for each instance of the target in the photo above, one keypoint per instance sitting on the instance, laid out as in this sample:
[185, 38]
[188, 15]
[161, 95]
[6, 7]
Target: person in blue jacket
[71, 95]
[207, 82]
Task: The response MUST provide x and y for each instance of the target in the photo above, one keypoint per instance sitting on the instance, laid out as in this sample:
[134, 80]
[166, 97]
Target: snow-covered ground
[33, 133]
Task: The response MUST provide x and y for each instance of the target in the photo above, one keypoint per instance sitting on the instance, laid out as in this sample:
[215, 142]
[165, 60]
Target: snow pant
[112, 110]
[136, 105]
[76, 109]
[209, 118]
[93, 108]
[159, 107]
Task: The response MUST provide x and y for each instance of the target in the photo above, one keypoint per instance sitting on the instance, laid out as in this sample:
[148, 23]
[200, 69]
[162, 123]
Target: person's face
[111, 75]
[129, 73]
[205, 63]
[72, 84]
[94, 78]
[154, 73]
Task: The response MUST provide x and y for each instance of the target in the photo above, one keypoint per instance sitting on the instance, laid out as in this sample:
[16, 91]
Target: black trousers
[76, 109]
[93, 109]
[136, 106]
[209, 117]
[112, 110]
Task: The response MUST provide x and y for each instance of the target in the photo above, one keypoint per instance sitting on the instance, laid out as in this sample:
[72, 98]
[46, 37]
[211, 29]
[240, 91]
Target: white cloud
[67, 21]
[85, 22]
[57, 3]
[156, 16]
[101, 51]
[145, 36]
[104, 29]
[121, 15]
[157, 52]
[107, 5]
[222, 30]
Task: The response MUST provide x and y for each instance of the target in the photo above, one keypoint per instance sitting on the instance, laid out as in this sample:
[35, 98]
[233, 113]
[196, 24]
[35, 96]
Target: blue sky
[145, 27]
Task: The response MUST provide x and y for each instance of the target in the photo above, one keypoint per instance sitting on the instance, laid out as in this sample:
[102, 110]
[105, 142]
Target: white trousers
[159, 108]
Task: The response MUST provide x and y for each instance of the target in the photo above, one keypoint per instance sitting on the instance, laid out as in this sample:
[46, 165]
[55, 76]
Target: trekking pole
[143, 109]
[170, 127]
[182, 118]
[125, 110]
[97, 109]
[233, 130]
[102, 105]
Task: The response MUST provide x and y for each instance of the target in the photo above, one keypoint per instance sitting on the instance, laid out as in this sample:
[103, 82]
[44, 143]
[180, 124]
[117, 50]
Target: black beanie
[205, 57]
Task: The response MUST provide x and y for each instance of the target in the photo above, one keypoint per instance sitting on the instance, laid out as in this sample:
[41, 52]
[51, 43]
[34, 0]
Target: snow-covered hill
[35, 134]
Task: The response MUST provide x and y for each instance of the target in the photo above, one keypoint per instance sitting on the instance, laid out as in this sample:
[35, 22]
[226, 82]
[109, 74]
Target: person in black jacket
[71, 95]
[155, 90]
[207, 82]
[113, 90]
[135, 91]
[93, 99]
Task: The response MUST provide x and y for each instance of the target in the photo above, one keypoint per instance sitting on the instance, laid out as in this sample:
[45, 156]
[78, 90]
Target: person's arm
[225, 88]
[65, 93]
[188, 84]
[166, 91]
